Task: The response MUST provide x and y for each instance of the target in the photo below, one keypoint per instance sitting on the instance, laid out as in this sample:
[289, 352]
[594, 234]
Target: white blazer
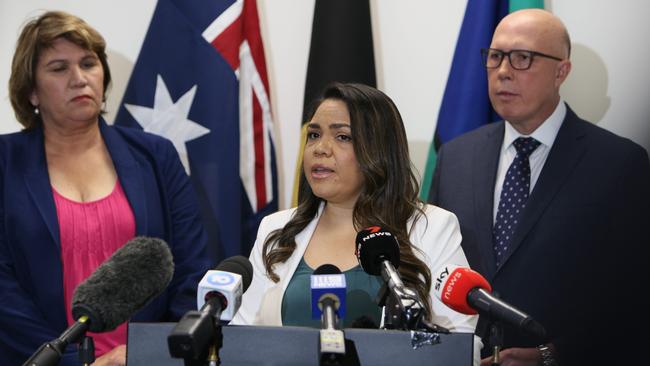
[437, 236]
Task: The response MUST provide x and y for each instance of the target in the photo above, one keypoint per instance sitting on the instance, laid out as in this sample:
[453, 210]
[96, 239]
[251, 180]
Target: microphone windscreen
[327, 269]
[240, 265]
[453, 283]
[327, 281]
[375, 245]
[136, 273]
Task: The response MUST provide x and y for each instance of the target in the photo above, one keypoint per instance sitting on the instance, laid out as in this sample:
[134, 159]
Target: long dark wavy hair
[389, 197]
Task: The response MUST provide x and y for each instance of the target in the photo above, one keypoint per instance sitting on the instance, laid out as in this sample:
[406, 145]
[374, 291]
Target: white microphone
[224, 284]
[218, 298]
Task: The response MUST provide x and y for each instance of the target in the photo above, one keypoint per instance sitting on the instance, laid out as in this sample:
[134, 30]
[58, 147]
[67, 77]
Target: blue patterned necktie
[514, 194]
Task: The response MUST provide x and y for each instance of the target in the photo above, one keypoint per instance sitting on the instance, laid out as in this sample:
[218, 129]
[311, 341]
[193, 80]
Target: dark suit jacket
[31, 281]
[581, 234]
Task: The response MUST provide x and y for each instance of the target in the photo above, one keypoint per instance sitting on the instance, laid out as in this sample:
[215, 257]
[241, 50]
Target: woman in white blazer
[356, 173]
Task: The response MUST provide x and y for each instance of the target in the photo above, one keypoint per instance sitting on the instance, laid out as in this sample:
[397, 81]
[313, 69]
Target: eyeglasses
[519, 59]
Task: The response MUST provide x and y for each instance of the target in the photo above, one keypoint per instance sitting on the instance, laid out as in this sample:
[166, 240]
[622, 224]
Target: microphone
[219, 296]
[226, 281]
[328, 303]
[466, 291]
[136, 273]
[378, 253]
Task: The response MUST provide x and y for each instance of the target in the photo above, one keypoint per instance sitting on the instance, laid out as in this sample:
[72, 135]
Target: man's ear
[562, 72]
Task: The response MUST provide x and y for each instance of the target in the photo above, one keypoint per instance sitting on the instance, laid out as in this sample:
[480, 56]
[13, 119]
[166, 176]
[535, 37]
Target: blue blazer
[31, 281]
[581, 233]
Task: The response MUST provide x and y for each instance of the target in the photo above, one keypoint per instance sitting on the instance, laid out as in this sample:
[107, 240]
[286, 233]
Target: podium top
[253, 345]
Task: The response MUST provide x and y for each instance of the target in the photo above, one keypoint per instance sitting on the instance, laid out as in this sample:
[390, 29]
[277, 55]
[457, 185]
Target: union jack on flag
[200, 80]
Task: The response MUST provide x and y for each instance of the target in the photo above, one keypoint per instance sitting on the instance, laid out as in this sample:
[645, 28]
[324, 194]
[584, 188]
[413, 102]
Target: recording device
[229, 280]
[467, 292]
[328, 303]
[136, 273]
[378, 253]
[218, 298]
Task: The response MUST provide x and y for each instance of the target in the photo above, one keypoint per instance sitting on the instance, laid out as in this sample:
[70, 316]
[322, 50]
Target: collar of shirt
[545, 133]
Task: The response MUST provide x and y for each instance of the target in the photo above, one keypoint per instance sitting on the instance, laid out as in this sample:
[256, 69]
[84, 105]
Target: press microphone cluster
[378, 253]
[467, 292]
[135, 274]
[219, 296]
[328, 289]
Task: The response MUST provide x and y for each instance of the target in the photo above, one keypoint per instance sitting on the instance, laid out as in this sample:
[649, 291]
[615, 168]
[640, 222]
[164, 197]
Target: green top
[361, 297]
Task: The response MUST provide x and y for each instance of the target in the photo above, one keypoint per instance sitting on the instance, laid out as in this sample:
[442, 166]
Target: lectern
[286, 346]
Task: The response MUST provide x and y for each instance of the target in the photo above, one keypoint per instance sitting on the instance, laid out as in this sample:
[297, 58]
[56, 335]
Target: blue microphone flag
[327, 285]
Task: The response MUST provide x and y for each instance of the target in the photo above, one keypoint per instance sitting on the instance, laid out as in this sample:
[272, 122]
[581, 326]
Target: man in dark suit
[552, 208]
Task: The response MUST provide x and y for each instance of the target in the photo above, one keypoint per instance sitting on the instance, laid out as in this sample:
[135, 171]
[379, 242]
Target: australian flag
[200, 80]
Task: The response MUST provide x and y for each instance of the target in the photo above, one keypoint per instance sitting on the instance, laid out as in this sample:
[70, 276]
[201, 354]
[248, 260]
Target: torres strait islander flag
[200, 81]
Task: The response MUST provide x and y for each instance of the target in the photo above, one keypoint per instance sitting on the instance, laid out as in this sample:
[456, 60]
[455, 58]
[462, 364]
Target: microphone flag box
[452, 284]
[327, 285]
[227, 284]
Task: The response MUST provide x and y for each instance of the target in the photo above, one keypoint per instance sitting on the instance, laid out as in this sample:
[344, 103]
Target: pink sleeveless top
[90, 233]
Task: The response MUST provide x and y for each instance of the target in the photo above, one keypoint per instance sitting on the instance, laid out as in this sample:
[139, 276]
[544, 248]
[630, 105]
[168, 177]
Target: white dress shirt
[545, 134]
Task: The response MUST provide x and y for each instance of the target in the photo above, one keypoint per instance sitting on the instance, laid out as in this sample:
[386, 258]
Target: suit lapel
[128, 173]
[38, 184]
[485, 162]
[286, 270]
[45, 254]
[566, 152]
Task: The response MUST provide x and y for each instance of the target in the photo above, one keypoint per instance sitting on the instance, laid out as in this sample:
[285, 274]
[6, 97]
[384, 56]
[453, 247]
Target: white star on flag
[169, 119]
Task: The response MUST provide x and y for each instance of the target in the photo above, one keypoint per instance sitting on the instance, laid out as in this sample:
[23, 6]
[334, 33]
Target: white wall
[414, 43]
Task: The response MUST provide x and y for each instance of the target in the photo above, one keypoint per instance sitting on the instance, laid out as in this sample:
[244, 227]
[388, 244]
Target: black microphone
[219, 297]
[328, 292]
[467, 292]
[136, 273]
[378, 253]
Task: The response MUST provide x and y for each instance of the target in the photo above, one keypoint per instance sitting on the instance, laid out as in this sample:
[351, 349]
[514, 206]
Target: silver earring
[36, 111]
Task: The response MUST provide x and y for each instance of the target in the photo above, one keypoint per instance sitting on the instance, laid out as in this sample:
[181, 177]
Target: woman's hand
[116, 357]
